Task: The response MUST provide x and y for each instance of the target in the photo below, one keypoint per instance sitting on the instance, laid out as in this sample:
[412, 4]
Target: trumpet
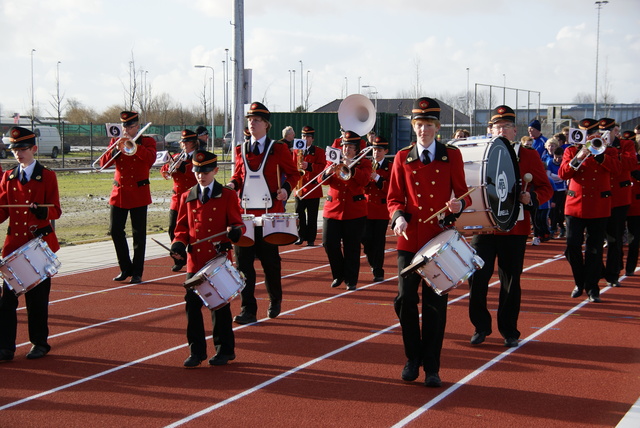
[129, 148]
[593, 147]
[177, 162]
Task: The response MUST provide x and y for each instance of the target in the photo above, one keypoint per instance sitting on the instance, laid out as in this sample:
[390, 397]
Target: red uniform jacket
[376, 192]
[634, 209]
[540, 188]
[278, 155]
[345, 199]
[621, 183]
[198, 221]
[416, 191]
[183, 180]
[315, 157]
[42, 188]
[131, 179]
[589, 190]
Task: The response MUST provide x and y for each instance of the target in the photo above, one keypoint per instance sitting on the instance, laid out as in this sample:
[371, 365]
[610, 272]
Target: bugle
[129, 147]
[177, 162]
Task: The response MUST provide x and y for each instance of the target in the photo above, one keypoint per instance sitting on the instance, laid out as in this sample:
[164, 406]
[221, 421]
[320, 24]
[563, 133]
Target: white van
[48, 141]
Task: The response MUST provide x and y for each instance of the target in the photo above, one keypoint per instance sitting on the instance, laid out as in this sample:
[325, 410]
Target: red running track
[332, 358]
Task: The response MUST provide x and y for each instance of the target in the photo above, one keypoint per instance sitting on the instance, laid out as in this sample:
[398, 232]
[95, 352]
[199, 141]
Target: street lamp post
[226, 91]
[213, 129]
[504, 89]
[290, 102]
[33, 109]
[599, 5]
[301, 86]
[307, 93]
[374, 92]
[468, 107]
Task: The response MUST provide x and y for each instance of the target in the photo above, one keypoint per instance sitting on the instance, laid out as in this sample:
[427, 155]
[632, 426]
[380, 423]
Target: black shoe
[614, 284]
[411, 370]
[510, 342]
[135, 279]
[177, 267]
[123, 275]
[378, 278]
[6, 355]
[311, 244]
[299, 242]
[351, 287]
[221, 359]
[595, 299]
[245, 318]
[194, 361]
[478, 337]
[274, 310]
[631, 273]
[433, 380]
[336, 283]
[37, 351]
[577, 292]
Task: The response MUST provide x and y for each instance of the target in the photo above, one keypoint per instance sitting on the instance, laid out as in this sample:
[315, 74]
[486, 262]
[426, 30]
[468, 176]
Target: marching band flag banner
[333, 154]
[577, 136]
[299, 144]
[114, 130]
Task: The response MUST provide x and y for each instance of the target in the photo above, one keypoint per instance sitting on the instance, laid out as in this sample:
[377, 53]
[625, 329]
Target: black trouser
[118, 221]
[307, 210]
[37, 303]
[427, 344]
[509, 250]
[615, 230]
[173, 219]
[587, 269]
[373, 243]
[556, 215]
[633, 227]
[341, 240]
[223, 337]
[271, 264]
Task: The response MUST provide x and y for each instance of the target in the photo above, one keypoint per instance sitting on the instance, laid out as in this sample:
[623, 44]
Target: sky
[546, 46]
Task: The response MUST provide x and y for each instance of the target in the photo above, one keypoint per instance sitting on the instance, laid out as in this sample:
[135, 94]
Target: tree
[78, 113]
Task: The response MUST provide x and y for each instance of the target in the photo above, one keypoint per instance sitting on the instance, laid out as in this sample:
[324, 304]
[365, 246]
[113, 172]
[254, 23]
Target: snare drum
[29, 265]
[491, 165]
[449, 261]
[217, 283]
[280, 228]
[248, 238]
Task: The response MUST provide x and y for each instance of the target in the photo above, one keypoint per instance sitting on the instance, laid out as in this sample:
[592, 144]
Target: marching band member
[508, 247]
[633, 215]
[345, 212]
[375, 231]
[204, 210]
[587, 207]
[257, 182]
[620, 201]
[130, 195]
[311, 161]
[180, 171]
[423, 177]
[28, 184]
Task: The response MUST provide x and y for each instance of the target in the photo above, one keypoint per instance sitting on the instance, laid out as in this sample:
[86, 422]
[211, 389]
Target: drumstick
[166, 248]
[527, 179]
[210, 237]
[445, 208]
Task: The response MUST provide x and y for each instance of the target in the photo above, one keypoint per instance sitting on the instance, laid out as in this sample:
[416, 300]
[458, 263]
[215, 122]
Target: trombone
[343, 170]
[129, 148]
[593, 147]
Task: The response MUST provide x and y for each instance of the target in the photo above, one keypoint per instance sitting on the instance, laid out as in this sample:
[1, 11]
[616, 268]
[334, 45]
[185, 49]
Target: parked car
[227, 141]
[160, 142]
[49, 142]
[172, 141]
[4, 147]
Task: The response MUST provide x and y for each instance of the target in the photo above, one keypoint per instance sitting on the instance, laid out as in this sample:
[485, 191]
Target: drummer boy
[206, 209]
[29, 199]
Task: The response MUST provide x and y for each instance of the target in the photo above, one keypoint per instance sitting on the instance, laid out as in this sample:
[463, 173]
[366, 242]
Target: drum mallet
[445, 208]
[527, 179]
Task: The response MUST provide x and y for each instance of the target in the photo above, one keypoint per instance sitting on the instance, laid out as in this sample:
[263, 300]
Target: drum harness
[255, 191]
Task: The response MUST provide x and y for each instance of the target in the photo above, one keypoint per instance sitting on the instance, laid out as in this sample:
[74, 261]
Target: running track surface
[332, 358]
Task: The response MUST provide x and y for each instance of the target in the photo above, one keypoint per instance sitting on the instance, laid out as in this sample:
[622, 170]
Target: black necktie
[205, 195]
[425, 157]
[23, 178]
[256, 148]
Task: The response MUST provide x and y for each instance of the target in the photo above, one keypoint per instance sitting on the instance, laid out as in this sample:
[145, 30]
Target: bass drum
[490, 164]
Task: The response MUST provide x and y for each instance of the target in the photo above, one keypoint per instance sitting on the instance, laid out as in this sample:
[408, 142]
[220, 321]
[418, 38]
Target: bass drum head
[502, 178]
